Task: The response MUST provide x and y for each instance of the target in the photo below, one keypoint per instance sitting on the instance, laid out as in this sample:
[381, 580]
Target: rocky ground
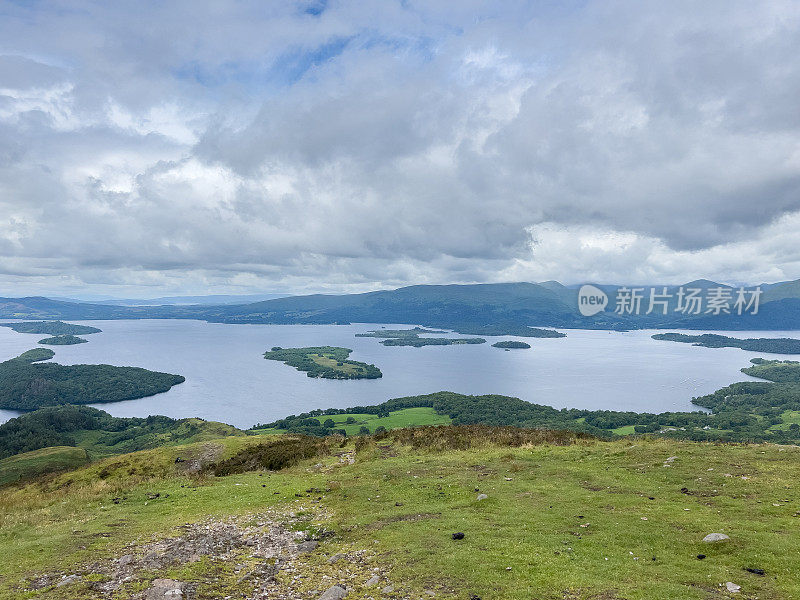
[268, 555]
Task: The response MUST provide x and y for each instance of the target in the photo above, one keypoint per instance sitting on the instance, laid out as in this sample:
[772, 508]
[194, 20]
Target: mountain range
[494, 308]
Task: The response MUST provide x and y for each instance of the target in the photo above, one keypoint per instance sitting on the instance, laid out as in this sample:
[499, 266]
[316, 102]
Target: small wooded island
[51, 328]
[508, 345]
[62, 340]
[710, 340]
[28, 384]
[411, 337]
[328, 362]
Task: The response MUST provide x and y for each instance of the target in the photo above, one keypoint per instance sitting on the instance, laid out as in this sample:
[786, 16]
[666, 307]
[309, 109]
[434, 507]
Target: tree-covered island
[63, 340]
[511, 344]
[710, 340]
[28, 384]
[328, 362]
[51, 328]
[411, 337]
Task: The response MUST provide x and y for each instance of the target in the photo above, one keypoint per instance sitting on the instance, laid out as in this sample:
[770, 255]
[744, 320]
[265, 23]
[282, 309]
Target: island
[710, 340]
[26, 383]
[51, 328]
[327, 362]
[411, 337]
[508, 329]
[397, 333]
[62, 340]
[508, 345]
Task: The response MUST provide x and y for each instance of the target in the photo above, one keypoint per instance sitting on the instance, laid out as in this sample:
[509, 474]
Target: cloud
[192, 147]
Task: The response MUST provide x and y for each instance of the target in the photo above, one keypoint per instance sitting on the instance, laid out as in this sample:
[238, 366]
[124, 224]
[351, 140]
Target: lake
[227, 379]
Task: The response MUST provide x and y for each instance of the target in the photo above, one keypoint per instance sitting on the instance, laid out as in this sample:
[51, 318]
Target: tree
[328, 424]
[364, 430]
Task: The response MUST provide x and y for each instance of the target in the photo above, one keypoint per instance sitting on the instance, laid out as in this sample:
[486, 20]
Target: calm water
[228, 380]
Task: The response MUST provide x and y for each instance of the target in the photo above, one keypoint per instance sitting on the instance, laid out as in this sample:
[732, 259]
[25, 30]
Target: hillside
[543, 515]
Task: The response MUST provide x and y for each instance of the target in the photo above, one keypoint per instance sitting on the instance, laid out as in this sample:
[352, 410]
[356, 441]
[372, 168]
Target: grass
[407, 417]
[37, 462]
[327, 360]
[566, 517]
[624, 430]
[789, 417]
[101, 443]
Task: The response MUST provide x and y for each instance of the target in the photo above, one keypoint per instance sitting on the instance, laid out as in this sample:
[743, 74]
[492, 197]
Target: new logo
[591, 300]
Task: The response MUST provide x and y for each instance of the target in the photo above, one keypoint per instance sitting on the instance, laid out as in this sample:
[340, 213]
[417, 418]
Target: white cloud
[192, 147]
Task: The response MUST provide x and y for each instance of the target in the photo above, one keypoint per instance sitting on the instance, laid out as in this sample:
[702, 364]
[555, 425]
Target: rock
[716, 537]
[755, 571]
[68, 580]
[732, 587]
[335, 558]
[124, 561]
[336, 592]
[306, 547]
[458, 535]
[388, 589]
[165, 588]
[374, 580]
[482, 496]
[670, 459]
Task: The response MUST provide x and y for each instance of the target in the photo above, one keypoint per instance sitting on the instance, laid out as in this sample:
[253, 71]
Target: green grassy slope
[37, 462]
[578, 519]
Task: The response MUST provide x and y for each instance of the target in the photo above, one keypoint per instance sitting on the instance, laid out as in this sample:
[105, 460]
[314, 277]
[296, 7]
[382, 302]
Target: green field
[408, 417]
[579, 519]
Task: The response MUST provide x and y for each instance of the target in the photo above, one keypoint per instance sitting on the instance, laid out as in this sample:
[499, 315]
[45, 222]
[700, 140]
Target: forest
[26, 384]
[51, 328]
[710, 340]
[328, 362]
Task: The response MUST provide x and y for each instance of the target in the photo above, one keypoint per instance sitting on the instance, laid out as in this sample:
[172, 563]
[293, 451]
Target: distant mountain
[458, 307]
[212, 300]
[782, 291]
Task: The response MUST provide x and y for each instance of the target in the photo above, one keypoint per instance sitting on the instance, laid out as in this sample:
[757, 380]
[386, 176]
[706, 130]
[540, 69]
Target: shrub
[273, 456]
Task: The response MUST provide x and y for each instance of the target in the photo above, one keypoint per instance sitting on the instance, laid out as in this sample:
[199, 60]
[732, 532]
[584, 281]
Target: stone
[306, 547]
[374, 580]
[732, 587]
[388, 589]
[124, 561]
[482, 496]
[165, 589]
[336, 592]
[715, 537]
[335, 558]
[68, 580]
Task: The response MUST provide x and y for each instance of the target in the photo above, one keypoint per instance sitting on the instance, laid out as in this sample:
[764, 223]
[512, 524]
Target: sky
[190, 147]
